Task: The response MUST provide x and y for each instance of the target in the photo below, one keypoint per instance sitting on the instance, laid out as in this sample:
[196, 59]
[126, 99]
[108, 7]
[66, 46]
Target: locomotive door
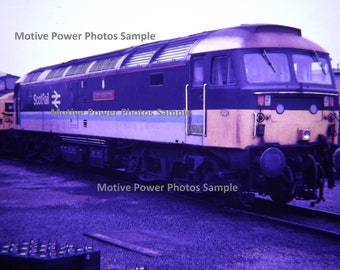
[195, 100]
[73, 98]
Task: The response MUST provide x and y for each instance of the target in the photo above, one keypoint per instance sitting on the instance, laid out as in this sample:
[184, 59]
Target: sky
[319, 21]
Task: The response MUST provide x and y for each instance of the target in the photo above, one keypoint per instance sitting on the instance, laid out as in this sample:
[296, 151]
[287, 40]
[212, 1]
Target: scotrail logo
[56, 100]
[44, 99]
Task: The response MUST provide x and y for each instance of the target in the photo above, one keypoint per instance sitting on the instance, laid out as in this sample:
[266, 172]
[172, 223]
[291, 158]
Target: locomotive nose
[273, 162]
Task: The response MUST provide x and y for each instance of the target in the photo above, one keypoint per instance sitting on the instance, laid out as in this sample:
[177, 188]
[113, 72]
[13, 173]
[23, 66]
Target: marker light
[264, 100]
[304, 134]
[260, 100]
[328, 101]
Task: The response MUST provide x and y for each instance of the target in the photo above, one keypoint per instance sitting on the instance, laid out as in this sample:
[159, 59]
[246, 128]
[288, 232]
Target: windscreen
[267, 67]
[312, 69]
[274, 67]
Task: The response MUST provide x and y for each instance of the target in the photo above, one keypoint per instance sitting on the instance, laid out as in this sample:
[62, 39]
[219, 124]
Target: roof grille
[56, 73]
[140, 57]
[32, 77]
[105, 64]
[78, 69]
[174, 51]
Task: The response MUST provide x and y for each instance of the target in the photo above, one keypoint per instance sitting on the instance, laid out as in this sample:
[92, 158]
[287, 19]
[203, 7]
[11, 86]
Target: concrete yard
[150, 229]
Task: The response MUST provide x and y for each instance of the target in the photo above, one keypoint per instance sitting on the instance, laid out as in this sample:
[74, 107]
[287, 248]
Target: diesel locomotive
[7, 113]
[252, 107]
[7, 82]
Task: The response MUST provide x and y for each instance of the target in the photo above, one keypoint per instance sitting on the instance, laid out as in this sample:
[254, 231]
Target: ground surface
[61, 204]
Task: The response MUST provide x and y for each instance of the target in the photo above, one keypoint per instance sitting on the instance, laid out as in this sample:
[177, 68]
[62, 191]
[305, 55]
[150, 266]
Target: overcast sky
[318, 19]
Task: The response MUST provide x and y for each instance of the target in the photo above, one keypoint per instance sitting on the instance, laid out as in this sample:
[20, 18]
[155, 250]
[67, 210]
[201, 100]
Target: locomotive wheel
[218, 198]
[282, 186]
[51, 151]
[31, 149]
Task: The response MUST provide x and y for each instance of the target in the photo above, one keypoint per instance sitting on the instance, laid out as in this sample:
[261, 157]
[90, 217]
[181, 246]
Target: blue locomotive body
[254, 105]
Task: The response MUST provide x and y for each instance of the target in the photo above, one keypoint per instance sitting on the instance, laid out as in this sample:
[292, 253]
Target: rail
[320, 222]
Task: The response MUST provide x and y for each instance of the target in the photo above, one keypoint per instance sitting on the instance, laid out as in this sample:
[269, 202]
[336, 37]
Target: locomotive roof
[2, 75]
[176, 50]
[255, 36]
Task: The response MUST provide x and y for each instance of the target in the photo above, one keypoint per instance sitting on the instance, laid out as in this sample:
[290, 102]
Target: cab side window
[222, 71]
[197, 70]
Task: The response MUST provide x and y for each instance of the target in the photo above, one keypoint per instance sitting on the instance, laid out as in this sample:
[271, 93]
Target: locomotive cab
[7, 83]
[297, 119]
[273, 104]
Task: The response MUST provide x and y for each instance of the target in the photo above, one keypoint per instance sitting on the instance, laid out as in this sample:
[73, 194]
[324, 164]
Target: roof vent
[260, 28]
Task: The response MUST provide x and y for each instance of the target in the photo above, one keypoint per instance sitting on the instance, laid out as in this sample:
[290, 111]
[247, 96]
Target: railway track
[321, 222]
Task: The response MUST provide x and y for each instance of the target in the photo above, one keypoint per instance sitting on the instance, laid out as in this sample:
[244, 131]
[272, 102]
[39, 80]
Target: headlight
[280, 108]
[313, 109]
[304, 134]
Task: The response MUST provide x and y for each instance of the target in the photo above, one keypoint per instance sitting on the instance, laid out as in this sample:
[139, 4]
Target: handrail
[255, 125]
[204, 133]
[186, 110]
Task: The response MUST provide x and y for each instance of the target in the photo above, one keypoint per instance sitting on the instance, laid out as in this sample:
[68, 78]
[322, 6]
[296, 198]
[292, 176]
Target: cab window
[197, 70]
[267, 67]
[312, 69]
[222, 71]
